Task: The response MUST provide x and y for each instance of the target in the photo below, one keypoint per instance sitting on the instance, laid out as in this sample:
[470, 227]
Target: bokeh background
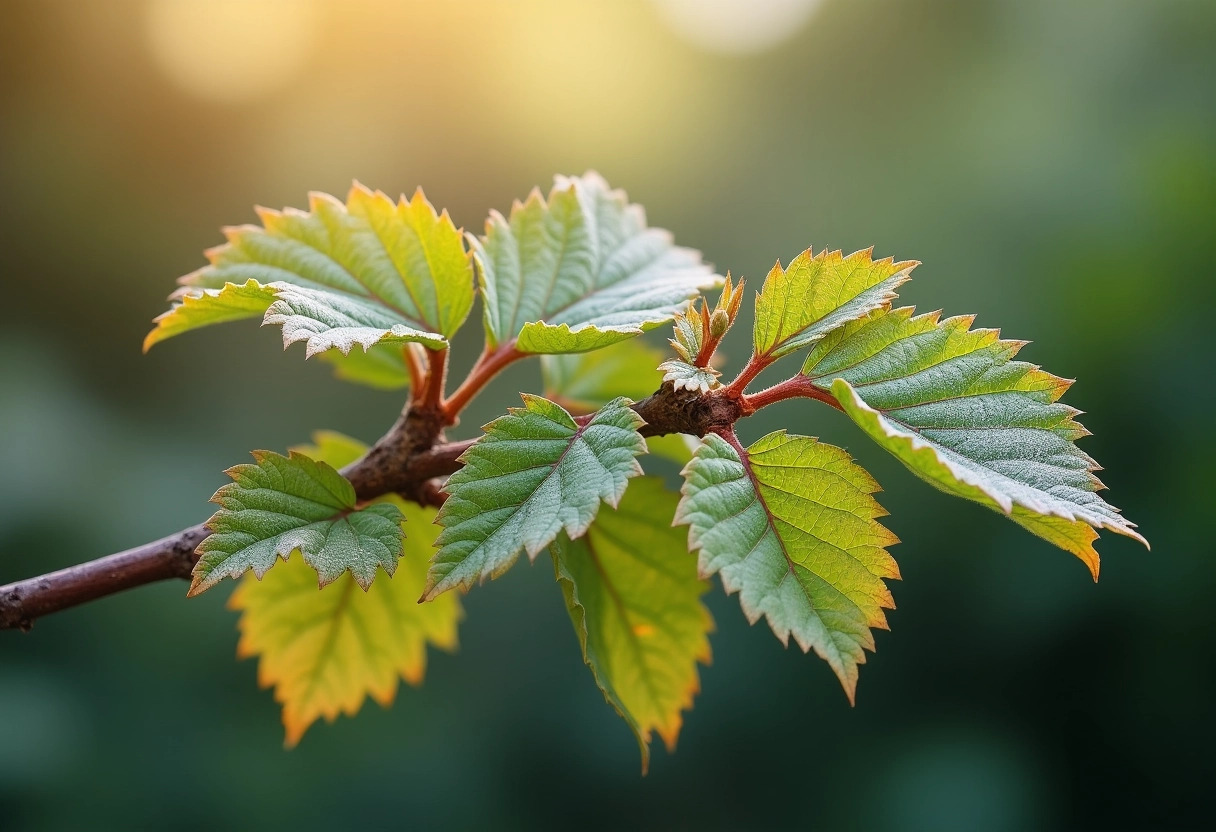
[1052, 163]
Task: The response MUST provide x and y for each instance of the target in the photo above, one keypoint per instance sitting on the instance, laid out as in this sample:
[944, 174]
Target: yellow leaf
[324, 651]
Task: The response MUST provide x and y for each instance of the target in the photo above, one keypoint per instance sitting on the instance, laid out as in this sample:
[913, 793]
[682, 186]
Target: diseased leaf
[536, 472]
[586, 381]
[633, 595]
[366, 272]
[790, 524]
[581, 270]
[818, 293]
[325, 650]
[952, 405]
[282, 504]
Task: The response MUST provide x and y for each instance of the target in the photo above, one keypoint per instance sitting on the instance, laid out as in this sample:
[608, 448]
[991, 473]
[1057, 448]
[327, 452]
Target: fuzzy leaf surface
[817, 293]
[359, 273]
[581, 270]
[953, 405]
[536, 472]
[790, 524]
[685, 376]
[282, 504]
[324, 651]
[633, 595]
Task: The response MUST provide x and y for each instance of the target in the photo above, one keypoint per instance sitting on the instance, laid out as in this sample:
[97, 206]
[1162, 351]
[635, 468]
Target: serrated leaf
[685, 376]
[820, 292]
[536, 472]
[790, 524]
[281, 504]
[366, 272]
[952, 405]
[633, 595]
[581, 270]
[382, 367]
[586, 381]
[325, 650]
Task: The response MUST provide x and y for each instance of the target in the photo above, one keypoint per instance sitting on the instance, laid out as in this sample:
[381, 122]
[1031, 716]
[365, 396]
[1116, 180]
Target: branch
[405, 461]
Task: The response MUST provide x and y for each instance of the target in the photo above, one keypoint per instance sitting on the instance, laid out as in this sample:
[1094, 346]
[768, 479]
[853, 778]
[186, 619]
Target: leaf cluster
[789, 523]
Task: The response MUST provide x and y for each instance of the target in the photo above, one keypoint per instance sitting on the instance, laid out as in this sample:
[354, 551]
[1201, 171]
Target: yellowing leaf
[325, 650]
[633, 595]
[818, 293]
[953, 405]
[366, 272]
[790, 524]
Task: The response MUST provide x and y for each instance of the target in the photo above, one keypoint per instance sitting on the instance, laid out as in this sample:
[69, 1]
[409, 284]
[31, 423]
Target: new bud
[719, 323]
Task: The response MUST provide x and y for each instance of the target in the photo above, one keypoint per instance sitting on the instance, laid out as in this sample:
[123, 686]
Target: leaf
[818, 293]
[536, 472]
[790, 524]
[325, 650]
[633, 595]
[586, 381]
[282, 504]
[581, 271]
[688, 377]
[382, 367]
[366, 272]
[952, 405]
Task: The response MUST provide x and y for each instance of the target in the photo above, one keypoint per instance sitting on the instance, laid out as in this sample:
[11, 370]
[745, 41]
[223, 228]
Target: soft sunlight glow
[232, 50]
[736, 26]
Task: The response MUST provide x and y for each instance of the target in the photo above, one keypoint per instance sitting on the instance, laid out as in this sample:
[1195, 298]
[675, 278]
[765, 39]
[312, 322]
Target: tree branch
[404, 461]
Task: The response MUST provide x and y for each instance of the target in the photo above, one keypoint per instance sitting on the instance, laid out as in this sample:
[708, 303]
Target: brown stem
[489, 364]
[405, 461]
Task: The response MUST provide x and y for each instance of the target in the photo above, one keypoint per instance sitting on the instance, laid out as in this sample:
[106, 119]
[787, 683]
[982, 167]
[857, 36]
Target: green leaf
[365, 272]
[791, 525]
[952, 405]
[534, 473]
[818, 293]
[325, 650]
[581, 271]
[633, 595]
[283, 504]
[586, 381]
[382, 367]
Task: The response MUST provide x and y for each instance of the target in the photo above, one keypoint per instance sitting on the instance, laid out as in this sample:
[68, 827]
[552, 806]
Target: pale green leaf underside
[952, 404]
[536, 472]
[818, 293]
[360, 273]
[282, 504]
[790, 524]
[633, 595]
[581, 270]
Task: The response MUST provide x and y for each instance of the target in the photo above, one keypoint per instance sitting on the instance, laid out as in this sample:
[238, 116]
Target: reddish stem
[489, 364]
[755, 365]
[416, 370]
[797, 387]
[436, 377]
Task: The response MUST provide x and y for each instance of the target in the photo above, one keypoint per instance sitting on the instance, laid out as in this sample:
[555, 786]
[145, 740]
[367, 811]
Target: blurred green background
[1052, 163]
